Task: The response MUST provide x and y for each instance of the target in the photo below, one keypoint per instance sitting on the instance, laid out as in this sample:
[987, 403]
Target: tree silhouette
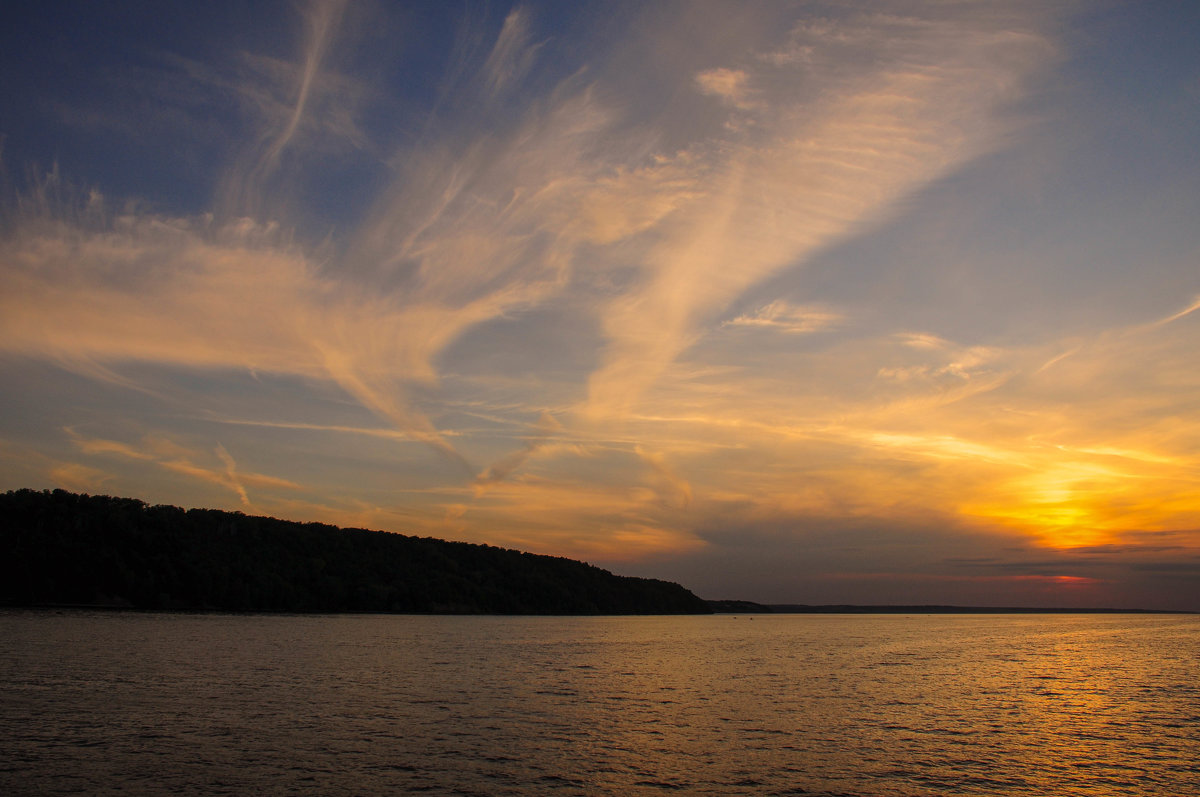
[65, 548]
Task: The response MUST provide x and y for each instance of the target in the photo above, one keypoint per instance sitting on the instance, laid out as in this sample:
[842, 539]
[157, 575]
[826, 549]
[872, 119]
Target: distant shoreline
[749, 607]
[847, 609]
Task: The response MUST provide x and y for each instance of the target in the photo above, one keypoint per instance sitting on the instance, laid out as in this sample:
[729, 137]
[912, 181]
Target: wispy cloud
[231, 474]
[201, 295]
[730, 85]
[384, 433]
[547, 428]
[924, 100]
[512, 54]
[169, 456]
[1191, 308]
[77, 477]
[783, 316]
[247, 182]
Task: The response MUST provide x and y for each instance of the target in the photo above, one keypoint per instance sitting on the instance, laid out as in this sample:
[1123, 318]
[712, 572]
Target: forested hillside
[63, 548]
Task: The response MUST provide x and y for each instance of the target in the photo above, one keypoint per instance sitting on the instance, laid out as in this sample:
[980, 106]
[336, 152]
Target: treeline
[61, 548]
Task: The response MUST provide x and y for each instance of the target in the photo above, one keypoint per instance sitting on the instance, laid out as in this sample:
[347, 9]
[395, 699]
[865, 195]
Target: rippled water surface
[96, 703]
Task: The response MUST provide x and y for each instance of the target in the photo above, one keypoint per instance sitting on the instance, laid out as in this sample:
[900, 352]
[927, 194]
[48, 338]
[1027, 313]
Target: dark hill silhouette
[61, 548]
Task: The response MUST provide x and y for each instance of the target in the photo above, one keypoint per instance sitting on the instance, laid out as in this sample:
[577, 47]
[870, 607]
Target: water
[96, 703]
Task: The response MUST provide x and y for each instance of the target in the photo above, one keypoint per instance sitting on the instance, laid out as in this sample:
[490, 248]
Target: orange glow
[1072, 503]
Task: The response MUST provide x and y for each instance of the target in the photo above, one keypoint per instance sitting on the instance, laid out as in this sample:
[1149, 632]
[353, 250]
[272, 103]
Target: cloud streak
[799, 175]
[173, 457]
[246, 186]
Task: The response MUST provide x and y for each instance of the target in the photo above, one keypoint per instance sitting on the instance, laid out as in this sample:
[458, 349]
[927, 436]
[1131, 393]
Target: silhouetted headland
[61, 548]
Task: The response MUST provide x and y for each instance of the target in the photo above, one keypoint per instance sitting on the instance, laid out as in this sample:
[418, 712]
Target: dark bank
[63, 548]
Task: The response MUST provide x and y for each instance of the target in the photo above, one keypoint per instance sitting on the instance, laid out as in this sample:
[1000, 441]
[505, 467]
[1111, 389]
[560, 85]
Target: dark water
[95, 703]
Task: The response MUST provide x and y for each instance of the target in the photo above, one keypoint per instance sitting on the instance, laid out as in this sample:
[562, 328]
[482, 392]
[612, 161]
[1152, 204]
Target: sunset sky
[815, 302]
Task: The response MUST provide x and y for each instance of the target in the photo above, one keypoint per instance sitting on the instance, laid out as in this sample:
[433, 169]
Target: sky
[812, 302]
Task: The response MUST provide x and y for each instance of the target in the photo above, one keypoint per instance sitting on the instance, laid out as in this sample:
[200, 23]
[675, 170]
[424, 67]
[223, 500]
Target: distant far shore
[749, 607]
[718, 607]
